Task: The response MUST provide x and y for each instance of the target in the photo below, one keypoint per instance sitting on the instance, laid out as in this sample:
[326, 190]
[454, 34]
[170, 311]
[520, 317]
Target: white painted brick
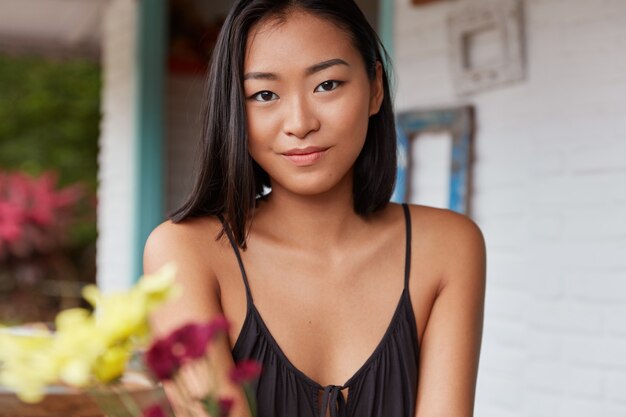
[601, 353]
[500, 201]
[494, 174]
[583, 383]
[615, 319]
[545, 226]
[616, 387]
[597, 159]
[539, 403]
[545, 281]
[575, 407]
[544, 376]
[547, 164]
[485, 408]
[598, 285]
[566, 316]
[507, 362]
[502, 333]
[516, 232]
[614, 410]
[546, 346]
[506, 270]
[503, 303]
[602, 188]
[582, 253]
[562, 191]
[601, 222]
[503, 392]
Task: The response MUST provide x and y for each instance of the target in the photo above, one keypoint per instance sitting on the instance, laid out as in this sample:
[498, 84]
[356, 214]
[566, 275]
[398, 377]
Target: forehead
[300, 38]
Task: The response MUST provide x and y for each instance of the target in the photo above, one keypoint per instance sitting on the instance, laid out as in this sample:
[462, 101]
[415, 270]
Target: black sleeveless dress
[384, 386]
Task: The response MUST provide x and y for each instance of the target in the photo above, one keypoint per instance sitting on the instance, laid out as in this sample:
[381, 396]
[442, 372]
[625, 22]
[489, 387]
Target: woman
[354, 306]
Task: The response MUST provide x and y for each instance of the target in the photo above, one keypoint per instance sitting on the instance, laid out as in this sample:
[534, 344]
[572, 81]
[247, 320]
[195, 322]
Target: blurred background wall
[549, 192]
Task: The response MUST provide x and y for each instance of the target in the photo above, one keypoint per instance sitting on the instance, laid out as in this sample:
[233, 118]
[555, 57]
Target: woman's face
[308, 101]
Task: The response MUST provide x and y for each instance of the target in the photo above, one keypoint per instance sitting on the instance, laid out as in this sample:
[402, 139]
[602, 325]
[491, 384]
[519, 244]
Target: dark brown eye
[329, 85]
[264, 96]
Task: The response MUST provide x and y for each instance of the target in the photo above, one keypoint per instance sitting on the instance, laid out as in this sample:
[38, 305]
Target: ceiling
[52, 28]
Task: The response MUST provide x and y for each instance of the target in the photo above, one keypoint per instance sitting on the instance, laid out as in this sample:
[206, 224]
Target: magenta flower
[154, 411]
[161, 360]
[245, 371]
[184, 344]
[189, 341]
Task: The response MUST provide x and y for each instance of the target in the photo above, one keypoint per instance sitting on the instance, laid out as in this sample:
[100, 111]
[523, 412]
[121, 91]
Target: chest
[332, 310]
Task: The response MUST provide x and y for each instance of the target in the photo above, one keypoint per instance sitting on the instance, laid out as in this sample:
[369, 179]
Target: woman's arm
[450, 344]
[189, 247]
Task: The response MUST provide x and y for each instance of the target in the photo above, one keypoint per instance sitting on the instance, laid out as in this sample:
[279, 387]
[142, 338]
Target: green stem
[102, 400]
[127, 399]
[250, 398]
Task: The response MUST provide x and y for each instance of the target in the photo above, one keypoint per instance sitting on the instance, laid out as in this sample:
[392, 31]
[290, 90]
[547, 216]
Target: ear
[377, 92]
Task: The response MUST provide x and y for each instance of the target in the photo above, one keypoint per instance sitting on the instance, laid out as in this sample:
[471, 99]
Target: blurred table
[58, 403]
[61, 401]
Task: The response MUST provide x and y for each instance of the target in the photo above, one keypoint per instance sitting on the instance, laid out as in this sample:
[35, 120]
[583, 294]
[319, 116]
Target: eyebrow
[309, 71]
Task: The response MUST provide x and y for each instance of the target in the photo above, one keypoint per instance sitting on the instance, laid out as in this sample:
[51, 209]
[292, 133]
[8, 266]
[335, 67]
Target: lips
[305, 156]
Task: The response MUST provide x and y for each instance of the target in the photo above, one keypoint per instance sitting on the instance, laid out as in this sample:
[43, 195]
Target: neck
[317, 221]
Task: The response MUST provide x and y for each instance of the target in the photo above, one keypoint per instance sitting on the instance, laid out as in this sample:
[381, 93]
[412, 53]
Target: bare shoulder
[444, 221]
[191, 240]
[192, 246]
[453, 241]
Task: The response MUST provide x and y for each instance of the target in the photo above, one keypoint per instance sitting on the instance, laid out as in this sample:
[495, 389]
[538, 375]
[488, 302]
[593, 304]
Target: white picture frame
[501, 21]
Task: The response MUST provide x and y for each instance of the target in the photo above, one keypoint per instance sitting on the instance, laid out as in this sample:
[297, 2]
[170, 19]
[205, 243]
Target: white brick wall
[116, 159]
[550, 196]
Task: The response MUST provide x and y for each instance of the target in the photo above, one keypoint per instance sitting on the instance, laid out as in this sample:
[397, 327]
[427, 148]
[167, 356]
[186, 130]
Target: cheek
[260, 131]
[349, 120]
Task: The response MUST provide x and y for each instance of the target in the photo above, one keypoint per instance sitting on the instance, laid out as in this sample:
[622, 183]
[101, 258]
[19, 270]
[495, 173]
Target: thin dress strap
[238, 255]
[407, 256]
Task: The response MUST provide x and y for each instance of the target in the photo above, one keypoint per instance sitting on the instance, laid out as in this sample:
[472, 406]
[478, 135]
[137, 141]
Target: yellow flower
[76, 350]
[66, 320]
[76, 372]
[111, 364]
[26, 384]
[86, 347]
[159, 287]
[120, 316]
[21, 356]
[92, 295]
[16, 344]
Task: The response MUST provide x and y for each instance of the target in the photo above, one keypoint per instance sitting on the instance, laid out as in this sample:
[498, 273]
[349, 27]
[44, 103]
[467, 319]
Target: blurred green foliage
[50, 117]
[50, 121]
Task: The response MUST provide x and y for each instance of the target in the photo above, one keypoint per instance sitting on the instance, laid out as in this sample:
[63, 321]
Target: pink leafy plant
[34, 213]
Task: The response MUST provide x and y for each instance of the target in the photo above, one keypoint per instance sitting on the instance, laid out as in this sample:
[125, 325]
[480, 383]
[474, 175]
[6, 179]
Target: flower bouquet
[109, 355]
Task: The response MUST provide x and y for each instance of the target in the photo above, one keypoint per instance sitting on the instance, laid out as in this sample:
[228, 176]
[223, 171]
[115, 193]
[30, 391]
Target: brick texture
[549, 194]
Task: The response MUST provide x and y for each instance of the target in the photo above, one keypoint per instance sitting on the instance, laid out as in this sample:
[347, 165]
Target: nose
[300, 118]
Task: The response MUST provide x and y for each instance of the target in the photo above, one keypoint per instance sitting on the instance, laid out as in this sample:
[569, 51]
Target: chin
[312, 185]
